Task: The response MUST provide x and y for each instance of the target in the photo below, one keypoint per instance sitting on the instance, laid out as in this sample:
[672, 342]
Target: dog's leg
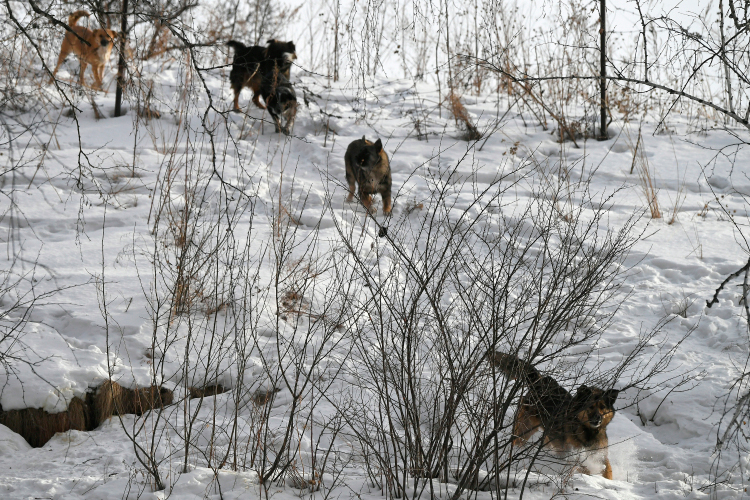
[272, 107]
[101, 75]
[84, 64]
[60, 59]
[519, 427]
[349, 180]
[236, 101]
[256, 100]
[607, 474]
[98, 71]
[290, 116]
[366, 201]
[236, 89]
[583, 470]
[526, 423]
[386, 203]
[289, 112]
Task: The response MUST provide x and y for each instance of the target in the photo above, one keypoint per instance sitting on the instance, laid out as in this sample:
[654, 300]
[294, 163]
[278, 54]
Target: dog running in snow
[251, 64]
[367, 165]
[570, 423]
[96, 52]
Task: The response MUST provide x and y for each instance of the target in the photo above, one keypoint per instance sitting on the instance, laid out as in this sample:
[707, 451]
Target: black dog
[280, 98]
[250, 64]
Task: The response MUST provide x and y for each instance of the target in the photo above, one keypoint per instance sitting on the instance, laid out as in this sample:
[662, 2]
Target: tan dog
[96, 53]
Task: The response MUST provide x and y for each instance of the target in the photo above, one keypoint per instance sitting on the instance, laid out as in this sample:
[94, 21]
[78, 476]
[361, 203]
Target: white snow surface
[76, 237]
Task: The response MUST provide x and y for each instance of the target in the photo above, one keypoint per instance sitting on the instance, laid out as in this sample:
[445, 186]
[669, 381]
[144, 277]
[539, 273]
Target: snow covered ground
[81, 210]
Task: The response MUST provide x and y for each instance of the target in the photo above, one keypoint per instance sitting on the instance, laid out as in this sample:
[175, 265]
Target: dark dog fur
[368, 165]
[96, 52]
[280, 99]
[570, 423]
[250, 64]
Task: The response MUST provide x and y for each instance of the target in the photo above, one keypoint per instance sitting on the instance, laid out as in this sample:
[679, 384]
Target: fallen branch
[715, 298]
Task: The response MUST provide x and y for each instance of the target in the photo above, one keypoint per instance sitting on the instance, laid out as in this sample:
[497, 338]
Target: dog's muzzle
[596, 421]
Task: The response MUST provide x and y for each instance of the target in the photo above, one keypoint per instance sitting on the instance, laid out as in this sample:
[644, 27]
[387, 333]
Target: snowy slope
[83, 225]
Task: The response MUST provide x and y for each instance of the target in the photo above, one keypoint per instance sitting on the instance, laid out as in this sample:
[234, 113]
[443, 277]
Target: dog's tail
[75, 16]
[515, 368]
[236, 45]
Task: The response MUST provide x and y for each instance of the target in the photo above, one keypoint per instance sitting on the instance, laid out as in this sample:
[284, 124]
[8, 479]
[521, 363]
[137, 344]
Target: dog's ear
[378, 146]
[272, 40]
[583, 392]
[363, 138]
[610, 396]
[583, 397]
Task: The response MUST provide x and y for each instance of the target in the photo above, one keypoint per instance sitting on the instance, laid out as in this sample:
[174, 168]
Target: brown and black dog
[570, 423]
[280, 99]
[96, 53]
[251, 64]
[368, 165]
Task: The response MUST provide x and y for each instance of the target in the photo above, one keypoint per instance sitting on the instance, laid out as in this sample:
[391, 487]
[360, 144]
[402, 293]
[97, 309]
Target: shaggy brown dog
[251, 64]
[368, 165]
[96, 52]
[570, 423]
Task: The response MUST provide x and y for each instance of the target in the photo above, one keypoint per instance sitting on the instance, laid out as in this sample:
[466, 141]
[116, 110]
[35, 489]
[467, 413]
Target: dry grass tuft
[646, 176]
[37, 426]
[262, 396]
[208, 391]
[649, 189]
[109, 399]
[300, 480]
[139, 401]
[412, 207]
[463, 120]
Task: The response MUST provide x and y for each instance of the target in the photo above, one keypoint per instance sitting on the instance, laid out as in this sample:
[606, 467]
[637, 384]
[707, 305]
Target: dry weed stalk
[646, 176]
[678, 201]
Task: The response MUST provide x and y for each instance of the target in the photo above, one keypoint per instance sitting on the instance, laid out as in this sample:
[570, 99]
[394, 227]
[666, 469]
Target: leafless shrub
[426, 407]
[731, 436]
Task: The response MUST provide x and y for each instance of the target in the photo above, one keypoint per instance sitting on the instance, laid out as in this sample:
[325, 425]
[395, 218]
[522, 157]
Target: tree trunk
[121, 61]
[603, 69]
